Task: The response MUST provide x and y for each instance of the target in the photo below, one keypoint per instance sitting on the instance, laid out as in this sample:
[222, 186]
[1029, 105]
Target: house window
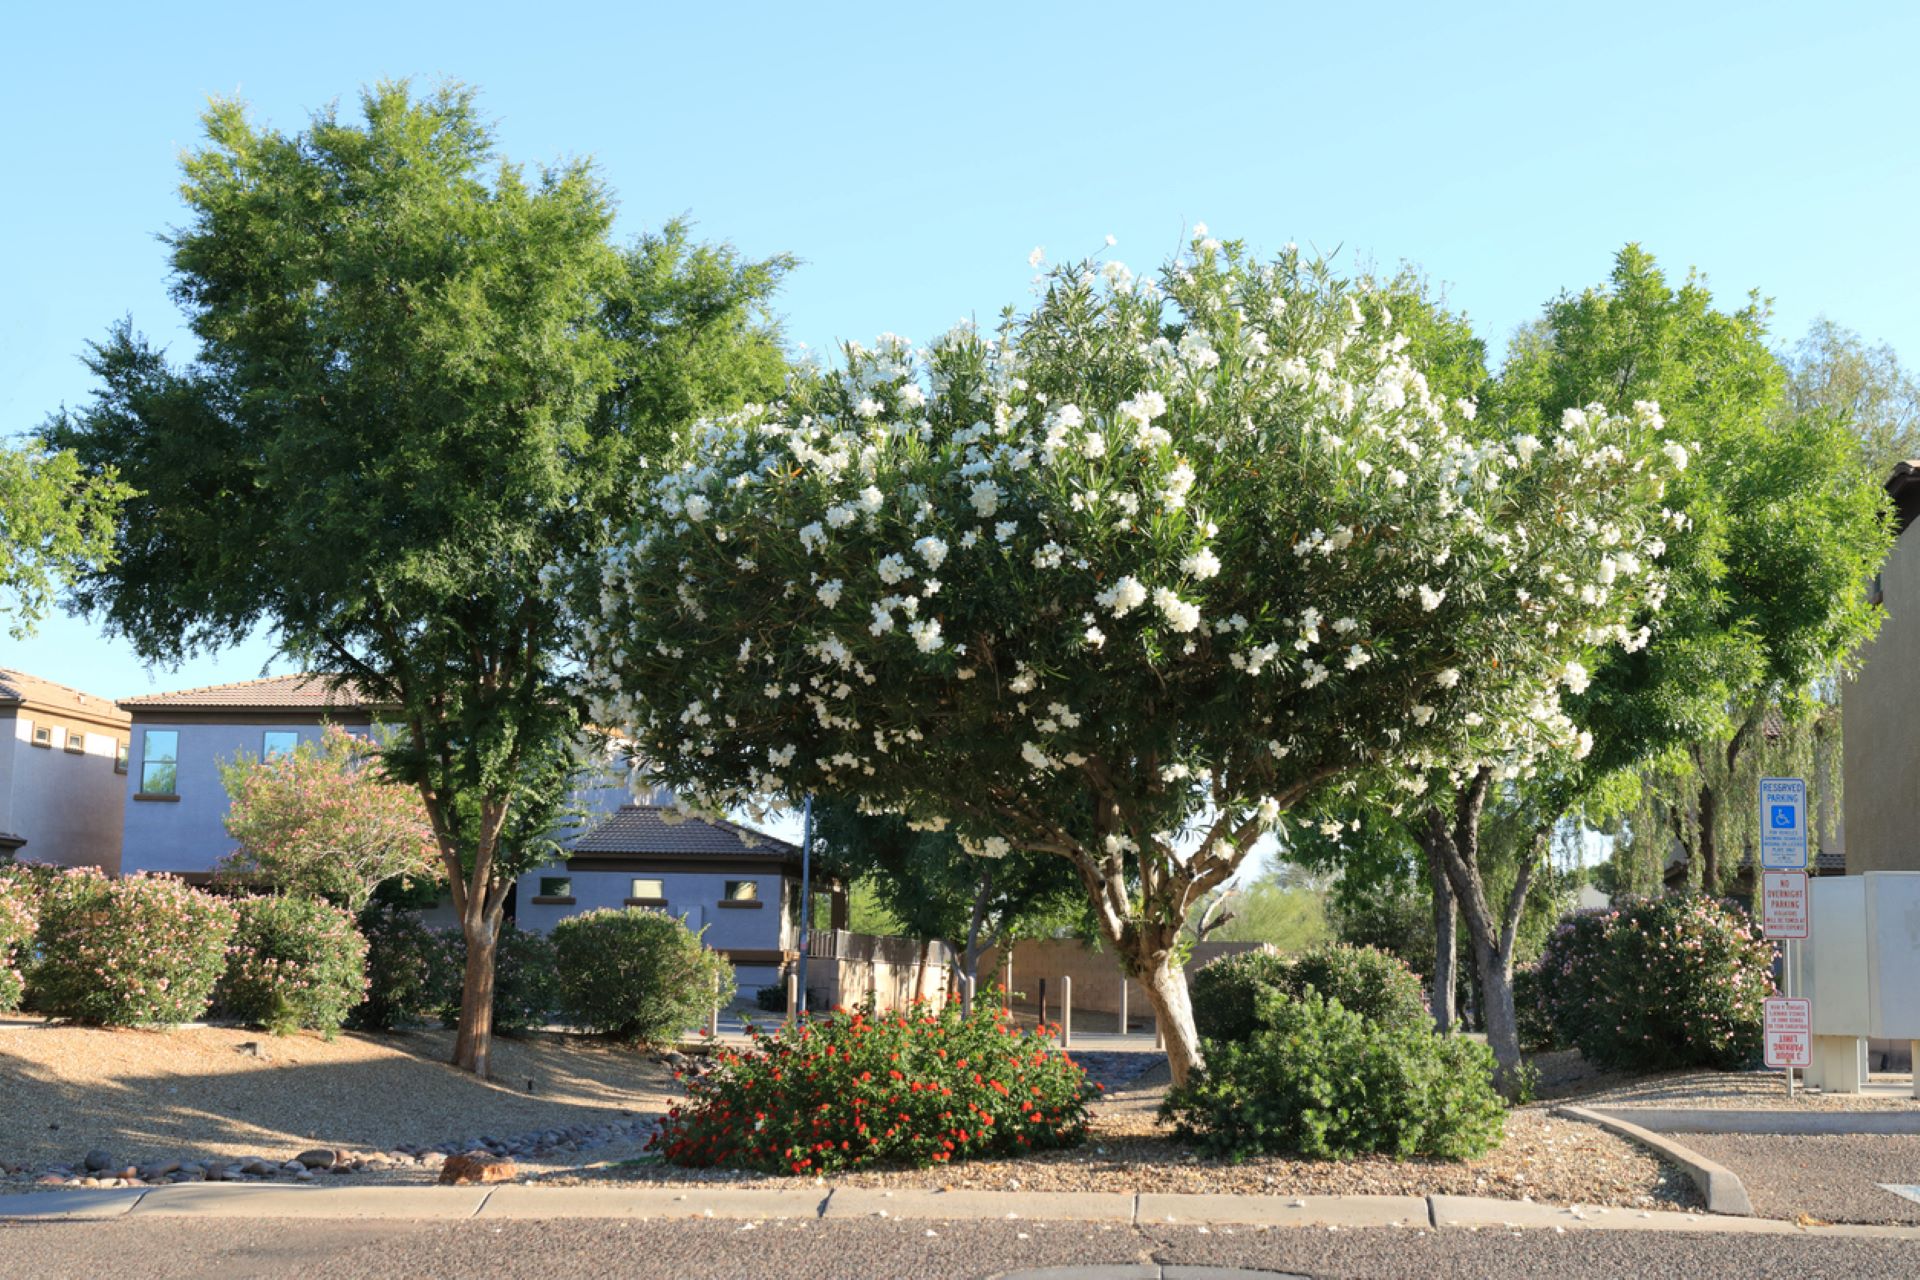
[42, 736]
[650, 889]
[278, 742]
[76, 743]
[119, 757]
[556, 887]
[743, 891]
[160, 763]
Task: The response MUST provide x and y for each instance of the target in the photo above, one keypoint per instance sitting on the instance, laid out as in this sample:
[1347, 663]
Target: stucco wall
[66, 804]
[1881, 714]
[1096, 976]
[689, 895]
[189, 834]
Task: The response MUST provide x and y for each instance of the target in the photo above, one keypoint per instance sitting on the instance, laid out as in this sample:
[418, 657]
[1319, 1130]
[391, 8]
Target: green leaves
[56, 525]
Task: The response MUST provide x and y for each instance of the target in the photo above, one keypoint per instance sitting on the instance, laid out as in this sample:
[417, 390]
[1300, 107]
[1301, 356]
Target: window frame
[269, 752]
[171, 761]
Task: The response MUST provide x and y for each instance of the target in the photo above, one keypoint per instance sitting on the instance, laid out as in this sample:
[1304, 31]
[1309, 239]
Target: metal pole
[1066, 1012]
[713, 1018]
[1786, 980]
[806, 896]
[1123, 1002]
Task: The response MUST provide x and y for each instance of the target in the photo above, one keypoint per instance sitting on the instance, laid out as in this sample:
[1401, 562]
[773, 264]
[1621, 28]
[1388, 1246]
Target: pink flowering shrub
[143, 950]
[295, 962]
[1672, 982]
[18, 916]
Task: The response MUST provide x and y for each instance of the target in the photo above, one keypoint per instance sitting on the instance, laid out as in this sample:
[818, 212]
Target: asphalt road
[584, 1249]
[1832, 1176]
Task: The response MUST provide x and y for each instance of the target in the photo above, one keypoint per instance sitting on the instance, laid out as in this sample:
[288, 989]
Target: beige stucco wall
[1880, 711]
[66, 803]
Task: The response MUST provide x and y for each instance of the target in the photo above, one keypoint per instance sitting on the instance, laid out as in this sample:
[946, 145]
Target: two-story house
[175, 804]
[738, 884]
[62, 765]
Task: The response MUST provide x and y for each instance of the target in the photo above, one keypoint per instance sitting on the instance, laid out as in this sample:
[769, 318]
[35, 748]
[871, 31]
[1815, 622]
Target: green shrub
[142, 950]
[1321, 1081]
[636, 974]
[295, 962]
[412, 972]
[1672, 982]
[851, 1090]
[524, 987]
[1531, 1015]
[773, 999]
[1373, 983]
[19, 914]
[1228, 993]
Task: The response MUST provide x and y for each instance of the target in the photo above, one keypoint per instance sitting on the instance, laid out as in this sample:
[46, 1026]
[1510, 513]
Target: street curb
[522, 1202]
[1824, 1124]
[1719, 1186]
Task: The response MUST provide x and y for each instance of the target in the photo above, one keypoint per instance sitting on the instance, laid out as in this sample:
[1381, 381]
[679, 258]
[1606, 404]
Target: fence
[846, 968]
[1097, 980]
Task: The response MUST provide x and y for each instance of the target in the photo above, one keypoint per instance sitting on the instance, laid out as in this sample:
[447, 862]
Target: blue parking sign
[1783, 823]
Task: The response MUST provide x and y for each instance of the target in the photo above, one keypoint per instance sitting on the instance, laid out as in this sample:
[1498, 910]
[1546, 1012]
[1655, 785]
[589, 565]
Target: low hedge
[412, 971]
[525, 988]
[142, 950]
[636, 974]
[1318, 1080]
[19, 916]
[295, 963]
[1228, 993]
[1671, 982]
[853, 1090]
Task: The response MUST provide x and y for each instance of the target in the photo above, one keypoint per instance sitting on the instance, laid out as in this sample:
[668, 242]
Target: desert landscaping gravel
[1744, 1091]
[1544, 1158]
[203, 1093]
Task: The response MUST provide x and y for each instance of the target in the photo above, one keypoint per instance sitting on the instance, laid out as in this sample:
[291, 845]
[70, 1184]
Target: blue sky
[912, 155]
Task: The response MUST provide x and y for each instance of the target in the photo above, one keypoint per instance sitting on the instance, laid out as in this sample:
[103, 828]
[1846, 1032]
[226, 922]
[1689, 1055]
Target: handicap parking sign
[1783, 823]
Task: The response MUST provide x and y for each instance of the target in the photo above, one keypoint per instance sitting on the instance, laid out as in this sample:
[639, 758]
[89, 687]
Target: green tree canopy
[423, 377]
[56, 526]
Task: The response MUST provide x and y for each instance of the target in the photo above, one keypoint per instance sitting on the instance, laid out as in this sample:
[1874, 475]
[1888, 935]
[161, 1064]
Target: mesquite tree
[1123, 584]
[420, 373]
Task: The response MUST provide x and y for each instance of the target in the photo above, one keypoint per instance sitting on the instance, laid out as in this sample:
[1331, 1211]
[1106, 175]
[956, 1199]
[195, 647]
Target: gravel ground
[197, 1093]
[1544, 1158]
[1830, 1177]
[1737, 1091]
[583, 1249]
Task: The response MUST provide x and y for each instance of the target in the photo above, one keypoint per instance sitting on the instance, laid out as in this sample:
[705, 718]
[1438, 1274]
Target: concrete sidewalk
[515, 1201]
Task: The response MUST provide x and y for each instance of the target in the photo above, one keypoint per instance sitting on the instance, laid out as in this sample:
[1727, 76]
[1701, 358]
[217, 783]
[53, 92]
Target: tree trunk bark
[1495, 966]
[1166, 986]
[1709, 844]
[473, 1042]
[1446, 950]
[920, 977]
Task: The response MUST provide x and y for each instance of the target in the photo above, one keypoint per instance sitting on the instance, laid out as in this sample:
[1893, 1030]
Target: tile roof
[305, 691]
[646, 828]
[17, 687]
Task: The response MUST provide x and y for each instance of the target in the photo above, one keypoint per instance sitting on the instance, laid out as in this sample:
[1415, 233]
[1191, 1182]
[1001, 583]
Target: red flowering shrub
[139, 951]
[295, 962]
[17, 919]
[859, 1089]
[1674, 982]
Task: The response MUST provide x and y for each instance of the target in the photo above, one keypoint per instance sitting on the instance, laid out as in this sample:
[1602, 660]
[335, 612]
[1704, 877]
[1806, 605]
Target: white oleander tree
[1124, 583]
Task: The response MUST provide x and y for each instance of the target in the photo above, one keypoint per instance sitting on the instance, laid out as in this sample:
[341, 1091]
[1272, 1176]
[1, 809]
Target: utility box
[1893, 953]
[1831, 962]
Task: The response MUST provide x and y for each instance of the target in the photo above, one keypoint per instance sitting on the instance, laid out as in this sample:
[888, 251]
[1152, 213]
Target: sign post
[1783, 863]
